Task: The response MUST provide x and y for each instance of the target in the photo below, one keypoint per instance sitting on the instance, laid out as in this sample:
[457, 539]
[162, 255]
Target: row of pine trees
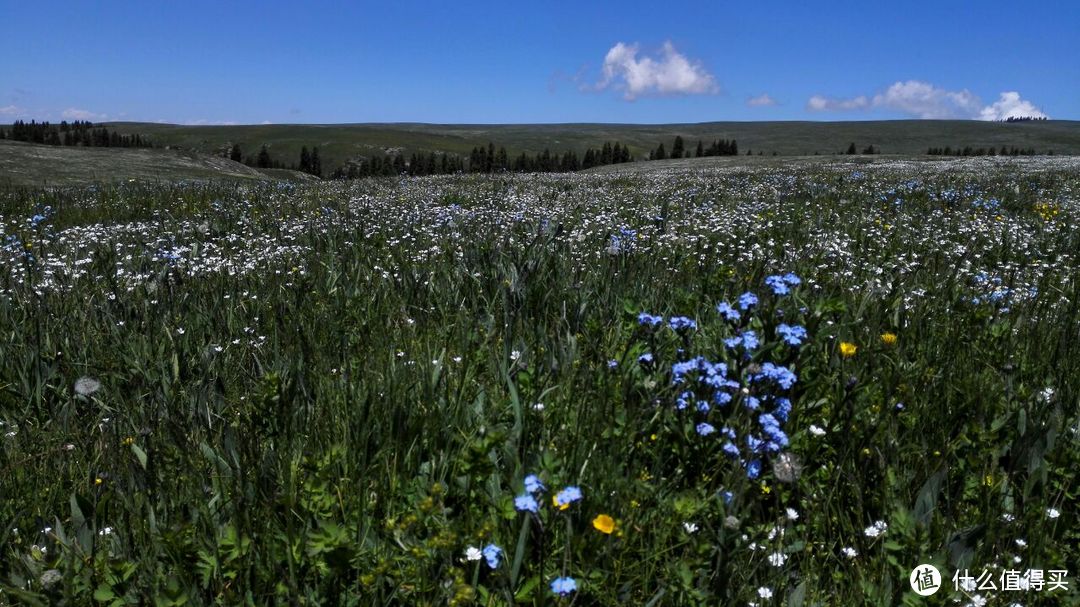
[490, 160]
[482, 159]
[969, 151]
[79, 132]
[720, 147]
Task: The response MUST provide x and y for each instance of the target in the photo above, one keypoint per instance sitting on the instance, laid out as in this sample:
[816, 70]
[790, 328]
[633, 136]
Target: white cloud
[205, 122]
[924, 100]
[10, 110]
[77, 114]
[818, 103]
[670, 73]
[762, 100]
[927, 101]
[1010, 105]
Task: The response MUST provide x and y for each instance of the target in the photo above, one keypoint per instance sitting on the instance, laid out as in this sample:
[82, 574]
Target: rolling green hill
[26, 164]
[339, 142]
[195, 151]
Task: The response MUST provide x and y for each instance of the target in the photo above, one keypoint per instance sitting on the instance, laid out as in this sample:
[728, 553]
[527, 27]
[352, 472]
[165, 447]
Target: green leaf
[962, 545]
[139, 455]
[519, 552]
[926, 503]
[524, 594]
[78, 519]
[104, 594]
[797, 596]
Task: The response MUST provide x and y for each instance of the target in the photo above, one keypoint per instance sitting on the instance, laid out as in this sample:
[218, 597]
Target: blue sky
[477, 62]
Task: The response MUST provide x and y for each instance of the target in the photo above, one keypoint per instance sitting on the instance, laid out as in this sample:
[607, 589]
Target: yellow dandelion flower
[604, 524]
[847, 349]
[888, 338]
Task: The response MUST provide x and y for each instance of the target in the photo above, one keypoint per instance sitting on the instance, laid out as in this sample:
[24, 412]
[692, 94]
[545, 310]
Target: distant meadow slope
[200, 152]
[339, 142]
[25, 164]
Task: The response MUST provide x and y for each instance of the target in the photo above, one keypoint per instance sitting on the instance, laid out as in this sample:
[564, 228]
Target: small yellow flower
[847, 349]
[888, 338]
[866, 451]
[98, 481]
[127, 442]
[635, 504]
[604, 524]
[765, 489]
[555, 502]
[989, 480]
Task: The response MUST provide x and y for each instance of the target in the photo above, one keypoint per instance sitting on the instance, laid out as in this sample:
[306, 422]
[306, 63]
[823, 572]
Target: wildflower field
[740, 386]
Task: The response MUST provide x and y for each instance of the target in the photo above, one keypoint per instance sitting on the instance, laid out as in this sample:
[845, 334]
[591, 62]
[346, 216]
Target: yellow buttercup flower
[560, 506]
[604, 524]
[847, 349]
[888, 338]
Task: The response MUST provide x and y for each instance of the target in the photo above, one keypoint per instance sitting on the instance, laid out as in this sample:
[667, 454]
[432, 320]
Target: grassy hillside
[340, 142]
[24, 164]
[196, 149]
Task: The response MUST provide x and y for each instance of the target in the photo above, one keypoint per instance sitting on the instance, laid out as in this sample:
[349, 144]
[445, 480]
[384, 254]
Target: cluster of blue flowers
[747, 339]
[682, 323]
[792, 335]
[563, 586]
[623, 242]
[492, 554]
[168, 256]
[990, 290]
[568, 496]
[648, 320]
[993, 205]
[527, 502]
[781, 285]
[760, 388]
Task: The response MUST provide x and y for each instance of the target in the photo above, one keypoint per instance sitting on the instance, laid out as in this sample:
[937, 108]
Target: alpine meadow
[684, 310]
[676, 387]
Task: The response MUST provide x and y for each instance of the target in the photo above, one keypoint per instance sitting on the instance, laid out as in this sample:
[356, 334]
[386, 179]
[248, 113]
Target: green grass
[326, 393]
[24, 164]
[343, 141]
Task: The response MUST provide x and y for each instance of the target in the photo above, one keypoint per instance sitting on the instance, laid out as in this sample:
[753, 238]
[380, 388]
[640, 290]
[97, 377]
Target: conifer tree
[677, 147]
[263, 161]
[305, 160]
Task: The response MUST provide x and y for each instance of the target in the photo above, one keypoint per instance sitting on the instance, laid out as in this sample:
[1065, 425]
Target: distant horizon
[268, 62]
[657, 124]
